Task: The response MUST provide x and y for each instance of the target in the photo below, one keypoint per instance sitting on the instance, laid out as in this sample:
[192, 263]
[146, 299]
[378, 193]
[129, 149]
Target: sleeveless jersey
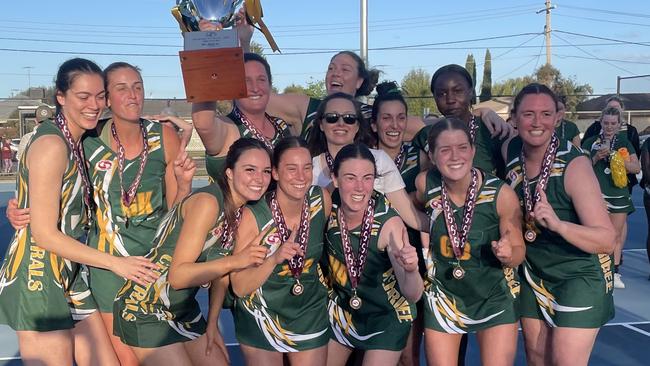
[566, 130]
[157, 315]
[39, 290]
[214, 164]
[274, 319]
[486, 295]
[385, 317]
[618, 199]
[110, 233]
[488, 149]
[561, 284]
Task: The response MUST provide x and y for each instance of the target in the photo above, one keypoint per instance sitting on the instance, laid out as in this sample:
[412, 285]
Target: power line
[603, 59]
[604, 38]
[594, 56]
[602, 20]
[610, 12]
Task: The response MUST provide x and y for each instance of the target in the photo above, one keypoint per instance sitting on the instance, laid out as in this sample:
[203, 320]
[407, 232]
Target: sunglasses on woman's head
[349, 119]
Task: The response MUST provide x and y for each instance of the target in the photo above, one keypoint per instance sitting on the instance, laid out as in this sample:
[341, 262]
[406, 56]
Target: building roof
[9, 106]
[633, 102]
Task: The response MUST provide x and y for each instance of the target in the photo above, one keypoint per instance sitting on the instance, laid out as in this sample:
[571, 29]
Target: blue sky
[38, 35]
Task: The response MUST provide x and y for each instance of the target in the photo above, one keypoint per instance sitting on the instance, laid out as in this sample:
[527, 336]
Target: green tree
[470, 66]
[314, 89]
[257, 47]
[512, 86]
[486, 84]
[415, 86]
[548, 75]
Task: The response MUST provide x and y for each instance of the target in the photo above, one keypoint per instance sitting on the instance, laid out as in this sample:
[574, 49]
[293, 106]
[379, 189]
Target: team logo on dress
[436, 208]
[273, 241]
[104, 165]
[217, 231]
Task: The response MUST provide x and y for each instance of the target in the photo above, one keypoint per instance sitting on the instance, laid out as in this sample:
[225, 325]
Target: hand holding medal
[545, 215]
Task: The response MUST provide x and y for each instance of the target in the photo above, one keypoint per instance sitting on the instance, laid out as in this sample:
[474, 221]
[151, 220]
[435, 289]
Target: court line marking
[647, 334]
[628, 323]
[634, 250]
[9, 358]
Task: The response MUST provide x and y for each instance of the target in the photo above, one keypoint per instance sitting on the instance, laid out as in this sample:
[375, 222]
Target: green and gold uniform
[488, 149]
[274, 319]
[214, 164]
[561, 284]
[40, 291]
[566, 130]
[486, 295]
[385, 317]
[156, 315]
[618, 199]
[110, 232]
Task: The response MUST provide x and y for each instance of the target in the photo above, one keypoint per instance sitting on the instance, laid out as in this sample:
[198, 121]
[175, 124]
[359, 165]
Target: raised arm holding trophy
[212, 62]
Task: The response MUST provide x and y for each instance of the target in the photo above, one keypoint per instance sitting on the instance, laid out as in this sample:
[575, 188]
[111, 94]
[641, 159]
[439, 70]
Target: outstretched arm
[403, 257]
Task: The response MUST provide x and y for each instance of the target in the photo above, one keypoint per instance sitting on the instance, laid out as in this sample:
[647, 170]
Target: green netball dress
[486, 295]
[274, 319]
[39, 290]
[156, 315]
[618, 199]
[488, 149]
[561, 284]
[110, 232]
[567, 130]
[385, 317]
[214, 164]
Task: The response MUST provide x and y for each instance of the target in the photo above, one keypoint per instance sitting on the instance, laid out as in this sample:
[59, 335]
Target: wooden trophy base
[213, 74]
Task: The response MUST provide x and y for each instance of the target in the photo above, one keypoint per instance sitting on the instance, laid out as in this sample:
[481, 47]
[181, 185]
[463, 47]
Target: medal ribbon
[459, 238]
[257, 134]
[473, 128]
[330, 161]
[355, 264]
[297, 263]
[547, 163]
[227, 240]
[129, 195]
[79, 160]
[399, 159]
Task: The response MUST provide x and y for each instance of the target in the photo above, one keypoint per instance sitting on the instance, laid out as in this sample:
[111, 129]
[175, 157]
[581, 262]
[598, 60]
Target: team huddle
[334, 231]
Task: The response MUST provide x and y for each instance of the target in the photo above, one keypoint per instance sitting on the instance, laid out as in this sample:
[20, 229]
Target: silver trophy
[216, 11]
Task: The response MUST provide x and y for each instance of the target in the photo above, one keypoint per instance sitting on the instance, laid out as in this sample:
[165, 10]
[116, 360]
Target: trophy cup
[212, 62]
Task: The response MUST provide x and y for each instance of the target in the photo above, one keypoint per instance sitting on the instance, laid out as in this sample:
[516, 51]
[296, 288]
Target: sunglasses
[349, 119]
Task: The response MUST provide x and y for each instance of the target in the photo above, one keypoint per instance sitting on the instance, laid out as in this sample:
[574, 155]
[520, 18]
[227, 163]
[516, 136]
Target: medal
[356, 263]
[530, 235]
[458, 272]
[531, 200]
[297, 288]
[128, 195]
[457, 237]
[80, 162]
[355, 301]
[473, 128]
[297, 263]
[257, 134]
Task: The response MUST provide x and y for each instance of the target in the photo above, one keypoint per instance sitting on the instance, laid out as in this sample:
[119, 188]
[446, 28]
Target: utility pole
[547, 28]
[29, 77]
[364, 31]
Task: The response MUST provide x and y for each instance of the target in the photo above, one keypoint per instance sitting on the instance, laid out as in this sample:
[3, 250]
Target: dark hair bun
[387, 87]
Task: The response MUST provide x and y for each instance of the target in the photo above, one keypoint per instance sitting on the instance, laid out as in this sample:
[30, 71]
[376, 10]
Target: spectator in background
[626, 128]
[645, 168]
[565, 129]
[5, 152]
[24, 141]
